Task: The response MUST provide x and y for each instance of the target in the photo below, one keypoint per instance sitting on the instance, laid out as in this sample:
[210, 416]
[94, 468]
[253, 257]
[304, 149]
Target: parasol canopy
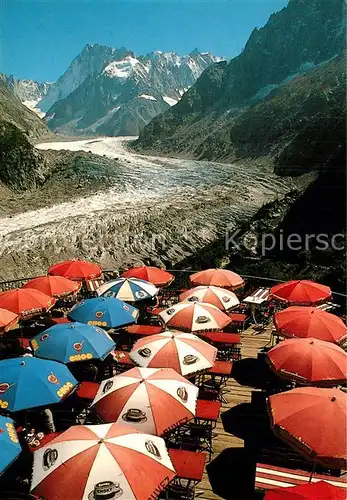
[29, 382]
[302, 322]
[77, 270]
[320, 490]
[26, 302]
[7, 319]
[128, 289]
[194, 317]
[150, 399]
[301, 292]
[217, 277]
[159, 277]
[184, 352]
[219, 297]
[106, 312]
[92, 462]
[309, 361]
[54, 286]
[72, 342]
[9, 444]
[313, 421]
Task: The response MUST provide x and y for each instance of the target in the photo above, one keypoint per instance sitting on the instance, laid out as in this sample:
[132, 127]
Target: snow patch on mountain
[146, 96]
[32, 105]
[169, 100]
[122, 69]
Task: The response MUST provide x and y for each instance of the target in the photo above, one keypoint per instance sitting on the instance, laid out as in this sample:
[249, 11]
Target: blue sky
[40, 38]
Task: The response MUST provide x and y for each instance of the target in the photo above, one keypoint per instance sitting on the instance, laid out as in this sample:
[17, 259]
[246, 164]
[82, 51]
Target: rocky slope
[288, 77]
[121, 94]
[13, 111]
[28, 91]
[92, 59]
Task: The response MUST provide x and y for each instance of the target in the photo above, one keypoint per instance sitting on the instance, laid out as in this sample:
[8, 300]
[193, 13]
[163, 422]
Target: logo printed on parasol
[106, 490]
[108, 386]
[145, 352]
[140, 294]
[78, 346]
[152, 448]
[4, 386]
[49, 458]
[99, 314]
[182, 393]
[44, 337]
[52, 378]
[170, 311]
[135, 415]
[202, 319]
[193, 298]
[225, 299]
[190, 359]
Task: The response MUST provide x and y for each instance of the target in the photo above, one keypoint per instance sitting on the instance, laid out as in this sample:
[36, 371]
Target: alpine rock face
[28, 91]
[113, 92]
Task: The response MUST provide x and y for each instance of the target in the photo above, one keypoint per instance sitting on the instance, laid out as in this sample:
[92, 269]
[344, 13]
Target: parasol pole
[312, 471]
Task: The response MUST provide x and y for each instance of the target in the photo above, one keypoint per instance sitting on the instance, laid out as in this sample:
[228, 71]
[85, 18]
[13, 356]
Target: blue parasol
[28, 382]
[71, 342]
[106, 312]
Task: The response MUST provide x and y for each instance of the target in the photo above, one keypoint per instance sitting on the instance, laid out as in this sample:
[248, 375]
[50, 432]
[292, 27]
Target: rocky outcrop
[287, 82]
[124, 94]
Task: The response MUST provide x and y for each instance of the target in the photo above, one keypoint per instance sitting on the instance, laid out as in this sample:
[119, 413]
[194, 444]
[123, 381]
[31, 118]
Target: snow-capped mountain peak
[102, 79]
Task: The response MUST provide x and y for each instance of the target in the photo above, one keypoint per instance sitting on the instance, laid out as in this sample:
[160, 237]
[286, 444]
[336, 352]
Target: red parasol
[217, 277]
[26, 302]
[301, 292]
[313, 421]
[154, 275]
[54, 286]
[301, 321]
[309, 361]
[311, 491]
[77, 270]
[7, 319]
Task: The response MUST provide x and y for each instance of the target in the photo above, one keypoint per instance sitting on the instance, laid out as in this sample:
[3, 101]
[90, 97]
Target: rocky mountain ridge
[119, 93]
[250, 107]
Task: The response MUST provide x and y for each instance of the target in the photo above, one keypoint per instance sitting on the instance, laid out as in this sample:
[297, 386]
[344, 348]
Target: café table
[143, 330]
[188, 465]
[228, 345]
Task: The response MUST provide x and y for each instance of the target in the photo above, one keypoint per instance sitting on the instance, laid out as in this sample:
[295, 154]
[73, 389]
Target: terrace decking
[252, 341]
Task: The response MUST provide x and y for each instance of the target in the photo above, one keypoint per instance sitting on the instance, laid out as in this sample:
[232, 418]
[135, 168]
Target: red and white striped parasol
[149, 399]
[89, 462]
[219, 297]
[184, 352]
[194, 317]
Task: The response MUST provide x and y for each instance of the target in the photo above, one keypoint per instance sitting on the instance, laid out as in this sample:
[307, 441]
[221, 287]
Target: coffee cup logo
[106, 490]
[135, 415]
[140, 294]
[170, 311]
[193, 298]
[44, 337]
[52, 379]
[202, 319]
[152, 448]
[49, 458]
[225, 299]
[190, 359]
[78, 346]
[182, 393]
[127, 308]
[107, 386]
[99, 314]
[4, 386]
[145, 352]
